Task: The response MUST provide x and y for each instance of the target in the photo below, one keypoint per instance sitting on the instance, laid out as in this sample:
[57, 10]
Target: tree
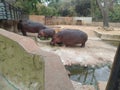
[66, 9]
[26, 5]
[82, 7]
[115, 14]
[105, 6]
[44, 10]
[30, 6]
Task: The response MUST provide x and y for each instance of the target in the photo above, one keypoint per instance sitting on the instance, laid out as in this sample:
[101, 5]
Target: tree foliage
[33, 7]
[28, 6]
[44, 10]
[115, 14]
[83, 7]
[72, 7]
[68, 8]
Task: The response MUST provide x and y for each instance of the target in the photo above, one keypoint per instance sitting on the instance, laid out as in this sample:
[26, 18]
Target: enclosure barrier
[9, 12]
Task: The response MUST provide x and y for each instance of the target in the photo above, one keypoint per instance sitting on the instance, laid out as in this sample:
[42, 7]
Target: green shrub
[114, 16]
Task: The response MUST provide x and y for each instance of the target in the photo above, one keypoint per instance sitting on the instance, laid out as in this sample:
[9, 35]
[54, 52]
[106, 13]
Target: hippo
[29, 26]
[70, 37]
[46, 33]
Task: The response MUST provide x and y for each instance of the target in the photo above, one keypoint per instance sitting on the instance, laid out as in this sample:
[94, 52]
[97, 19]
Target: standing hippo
[70, 37]
[29, 26]
[46, 33]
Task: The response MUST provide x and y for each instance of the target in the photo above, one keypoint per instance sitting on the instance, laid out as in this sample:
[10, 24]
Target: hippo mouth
[58, 43]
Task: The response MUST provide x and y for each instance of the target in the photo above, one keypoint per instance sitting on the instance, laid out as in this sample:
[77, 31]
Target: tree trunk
[104, 10]
[105, 18]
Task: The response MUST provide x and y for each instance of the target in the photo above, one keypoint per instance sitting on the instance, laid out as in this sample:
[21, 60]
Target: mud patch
[95, 53]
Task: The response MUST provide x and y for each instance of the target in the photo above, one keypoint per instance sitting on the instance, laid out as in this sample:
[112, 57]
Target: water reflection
[89, 76]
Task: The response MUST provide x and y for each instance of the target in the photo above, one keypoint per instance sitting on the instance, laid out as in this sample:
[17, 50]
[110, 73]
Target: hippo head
[41, 34]
[55, 40]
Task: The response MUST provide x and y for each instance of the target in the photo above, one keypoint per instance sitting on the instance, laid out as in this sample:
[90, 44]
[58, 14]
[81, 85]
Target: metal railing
[9, 12]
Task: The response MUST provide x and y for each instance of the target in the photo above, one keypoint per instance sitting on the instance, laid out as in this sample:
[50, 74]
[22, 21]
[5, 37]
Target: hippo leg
[82, 45]
[23, 32]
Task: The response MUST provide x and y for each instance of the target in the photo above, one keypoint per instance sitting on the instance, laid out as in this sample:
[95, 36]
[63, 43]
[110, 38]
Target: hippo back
[34, 27]
[49, 31]
[70, 36]
[29, 26]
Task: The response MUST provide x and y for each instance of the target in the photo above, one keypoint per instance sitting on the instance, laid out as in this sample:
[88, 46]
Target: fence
[9, 12]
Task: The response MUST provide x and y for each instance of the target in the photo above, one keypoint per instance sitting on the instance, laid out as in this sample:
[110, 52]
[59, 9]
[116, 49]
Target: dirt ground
[95, 53]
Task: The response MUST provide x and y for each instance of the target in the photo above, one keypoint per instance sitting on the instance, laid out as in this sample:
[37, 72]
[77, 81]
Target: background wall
[68, 21]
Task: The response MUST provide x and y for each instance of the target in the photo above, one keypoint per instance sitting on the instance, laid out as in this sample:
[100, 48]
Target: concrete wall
[61, 20]
[101, 24]
[69, 21]
[85, 20]
[19, 69]
[37, 18]
[55, 75]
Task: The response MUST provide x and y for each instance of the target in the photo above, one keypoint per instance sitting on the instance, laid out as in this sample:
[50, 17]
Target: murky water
[89, 75]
